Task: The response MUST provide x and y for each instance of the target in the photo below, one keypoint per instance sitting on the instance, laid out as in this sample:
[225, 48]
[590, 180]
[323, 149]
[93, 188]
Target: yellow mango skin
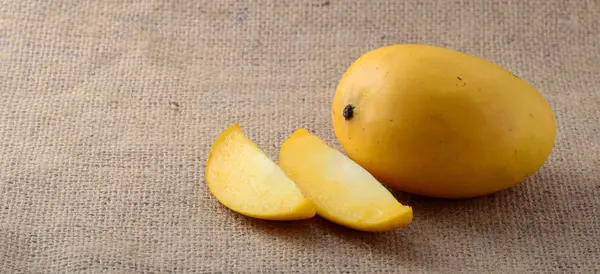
[244, 179]
[441, 123]
[343, 191]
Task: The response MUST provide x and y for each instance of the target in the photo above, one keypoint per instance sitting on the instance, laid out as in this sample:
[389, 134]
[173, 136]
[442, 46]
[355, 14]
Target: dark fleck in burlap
[108, 110]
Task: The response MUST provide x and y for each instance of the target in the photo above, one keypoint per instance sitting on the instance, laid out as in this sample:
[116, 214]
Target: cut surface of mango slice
[244, 179]
[343, 191]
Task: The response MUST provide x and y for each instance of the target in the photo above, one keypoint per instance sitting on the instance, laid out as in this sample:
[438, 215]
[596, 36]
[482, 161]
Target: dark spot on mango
[348, 112]
[460, 79]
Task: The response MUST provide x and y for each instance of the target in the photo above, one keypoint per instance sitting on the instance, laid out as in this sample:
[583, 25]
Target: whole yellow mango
[437, 122]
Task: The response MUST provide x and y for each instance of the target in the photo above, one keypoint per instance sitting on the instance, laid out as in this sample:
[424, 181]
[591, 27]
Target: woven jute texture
[109, 108]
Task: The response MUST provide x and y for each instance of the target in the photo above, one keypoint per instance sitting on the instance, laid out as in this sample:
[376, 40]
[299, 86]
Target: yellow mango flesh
[342, 191]
[441, 123]
[244, 179]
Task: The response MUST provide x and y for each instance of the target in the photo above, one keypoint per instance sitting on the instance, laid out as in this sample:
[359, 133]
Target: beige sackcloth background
[108, 110]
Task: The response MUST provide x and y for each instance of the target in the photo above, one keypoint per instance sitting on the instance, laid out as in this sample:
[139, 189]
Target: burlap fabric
[108, 110]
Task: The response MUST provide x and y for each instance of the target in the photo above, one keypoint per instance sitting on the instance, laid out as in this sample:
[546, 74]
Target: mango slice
[343, 191]
[244, 179]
